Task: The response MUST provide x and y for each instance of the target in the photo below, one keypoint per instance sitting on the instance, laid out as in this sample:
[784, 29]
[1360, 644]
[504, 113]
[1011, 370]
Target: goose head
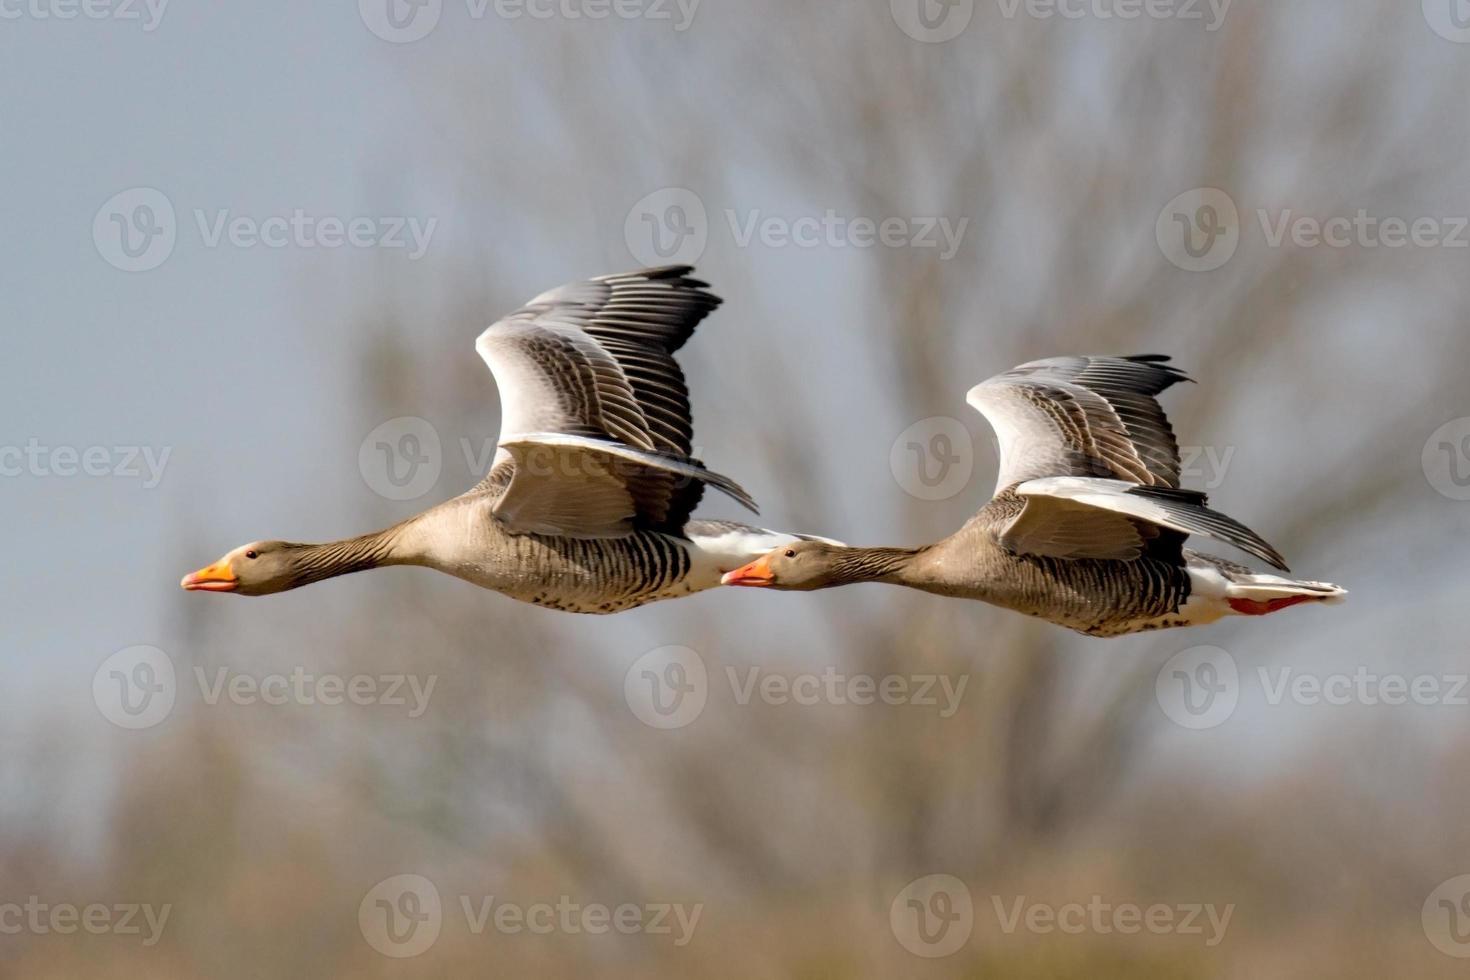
[798, 567]
[260, 568]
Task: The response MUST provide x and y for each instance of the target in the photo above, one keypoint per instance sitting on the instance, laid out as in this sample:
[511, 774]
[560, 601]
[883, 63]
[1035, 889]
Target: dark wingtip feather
[658, 272]
[1198, 497]
[665, 273]
[1222, 526]
[679, 275]
[731, 489]
[710, 478]
[1161, 362]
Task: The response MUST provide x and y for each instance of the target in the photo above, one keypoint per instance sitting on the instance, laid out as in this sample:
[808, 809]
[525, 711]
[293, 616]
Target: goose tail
[1224, 588]
[1257, 595]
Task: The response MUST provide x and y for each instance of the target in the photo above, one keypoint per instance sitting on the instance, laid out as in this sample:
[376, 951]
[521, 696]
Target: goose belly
[596, 576]
[1100, 598]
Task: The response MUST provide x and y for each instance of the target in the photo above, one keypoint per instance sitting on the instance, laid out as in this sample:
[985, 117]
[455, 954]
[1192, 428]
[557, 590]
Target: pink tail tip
[1254, 607]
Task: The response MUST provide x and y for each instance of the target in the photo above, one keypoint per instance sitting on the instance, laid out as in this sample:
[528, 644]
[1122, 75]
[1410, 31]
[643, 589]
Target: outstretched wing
[595, 431]
[1083, 416]
[1079, 517]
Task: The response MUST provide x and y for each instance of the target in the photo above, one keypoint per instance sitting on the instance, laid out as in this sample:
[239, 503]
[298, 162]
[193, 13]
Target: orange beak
[218, 577]
[756, 575]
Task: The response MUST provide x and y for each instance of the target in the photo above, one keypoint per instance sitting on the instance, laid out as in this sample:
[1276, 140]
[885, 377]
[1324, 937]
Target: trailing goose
[586, 507]
[1087, 525]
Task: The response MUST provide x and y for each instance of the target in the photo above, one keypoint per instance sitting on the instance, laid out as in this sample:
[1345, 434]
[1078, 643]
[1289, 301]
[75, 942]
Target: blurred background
[246, 248]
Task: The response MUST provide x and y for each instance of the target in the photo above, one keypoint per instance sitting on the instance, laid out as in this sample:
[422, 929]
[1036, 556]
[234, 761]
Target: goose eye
[790, 553]
[252, 555]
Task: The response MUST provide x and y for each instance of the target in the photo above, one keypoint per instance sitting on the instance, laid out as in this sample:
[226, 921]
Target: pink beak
[755, 575]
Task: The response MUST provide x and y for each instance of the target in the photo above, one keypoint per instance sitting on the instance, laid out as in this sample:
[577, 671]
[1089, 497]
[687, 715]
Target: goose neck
[316, 562]
[893, 566]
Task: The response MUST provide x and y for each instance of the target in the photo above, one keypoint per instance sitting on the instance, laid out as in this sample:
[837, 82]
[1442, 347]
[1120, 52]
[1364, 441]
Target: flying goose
[587, 502]
[1087, 524]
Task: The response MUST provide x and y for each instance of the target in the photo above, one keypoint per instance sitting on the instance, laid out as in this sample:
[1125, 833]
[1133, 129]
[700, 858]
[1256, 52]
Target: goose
[1087, 523]
[586, 506]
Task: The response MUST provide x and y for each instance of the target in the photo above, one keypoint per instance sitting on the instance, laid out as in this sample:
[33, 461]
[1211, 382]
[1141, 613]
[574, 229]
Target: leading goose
[586, 506]
[1087, 525]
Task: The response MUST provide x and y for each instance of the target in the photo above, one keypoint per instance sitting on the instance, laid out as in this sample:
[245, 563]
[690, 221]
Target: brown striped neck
[311, 563]
[279, 566]
[849, 566]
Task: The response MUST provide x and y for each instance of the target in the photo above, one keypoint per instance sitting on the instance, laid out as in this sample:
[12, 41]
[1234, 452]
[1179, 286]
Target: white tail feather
[1263, 588]
[1214, 592]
